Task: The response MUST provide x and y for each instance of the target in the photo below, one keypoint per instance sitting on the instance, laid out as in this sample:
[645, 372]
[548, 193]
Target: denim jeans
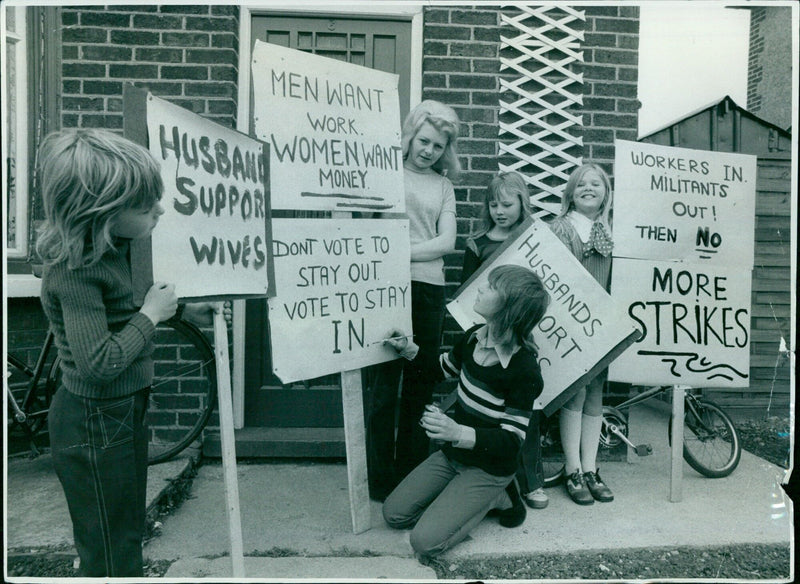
[443, 500]
[99, 449]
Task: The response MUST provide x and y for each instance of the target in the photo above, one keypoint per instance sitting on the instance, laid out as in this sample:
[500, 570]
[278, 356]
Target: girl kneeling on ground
[451, 491]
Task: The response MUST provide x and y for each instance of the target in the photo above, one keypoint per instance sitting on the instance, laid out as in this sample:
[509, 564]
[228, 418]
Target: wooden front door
[313, 407]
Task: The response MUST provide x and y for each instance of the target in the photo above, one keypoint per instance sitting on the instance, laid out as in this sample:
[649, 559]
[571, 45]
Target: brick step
[281, 443]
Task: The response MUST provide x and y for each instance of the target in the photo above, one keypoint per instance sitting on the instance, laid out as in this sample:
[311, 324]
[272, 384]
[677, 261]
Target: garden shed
[724, 126]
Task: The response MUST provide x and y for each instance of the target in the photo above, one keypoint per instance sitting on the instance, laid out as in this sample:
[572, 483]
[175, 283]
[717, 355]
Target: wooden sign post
[344, 284]
[213, 240]
[228, 442]
[334, 128]
[676, 452]
[684, 223]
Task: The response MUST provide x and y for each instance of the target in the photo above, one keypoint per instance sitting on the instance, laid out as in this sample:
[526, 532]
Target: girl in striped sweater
[450, 492]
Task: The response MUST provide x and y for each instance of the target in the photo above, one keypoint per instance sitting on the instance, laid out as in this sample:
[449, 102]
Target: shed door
[379, 44]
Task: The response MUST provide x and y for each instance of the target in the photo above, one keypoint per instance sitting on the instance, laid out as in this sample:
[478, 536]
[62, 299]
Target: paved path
[301, 509]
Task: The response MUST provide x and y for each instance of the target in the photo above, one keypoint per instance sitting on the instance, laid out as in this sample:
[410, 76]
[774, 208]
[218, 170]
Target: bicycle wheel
[710, 443]
[184, 388]
[34, 403]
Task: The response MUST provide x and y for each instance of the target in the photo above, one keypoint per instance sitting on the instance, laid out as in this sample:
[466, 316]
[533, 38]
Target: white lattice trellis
[537, 121]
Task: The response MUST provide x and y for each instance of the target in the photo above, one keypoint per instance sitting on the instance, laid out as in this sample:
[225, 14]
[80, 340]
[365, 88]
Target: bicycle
[182, 396]
[711, 444]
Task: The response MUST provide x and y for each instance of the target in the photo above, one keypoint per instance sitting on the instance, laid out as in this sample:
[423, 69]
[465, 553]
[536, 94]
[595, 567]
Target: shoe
[597, 487]
[536, 499]
[576, 489]
[515, 515]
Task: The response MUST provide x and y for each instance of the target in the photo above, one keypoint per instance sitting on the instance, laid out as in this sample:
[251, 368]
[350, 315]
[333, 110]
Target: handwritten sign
[583, 328]
[333, 129]
[695, 321]
[213, 239]
[344, 284]
[683, 205]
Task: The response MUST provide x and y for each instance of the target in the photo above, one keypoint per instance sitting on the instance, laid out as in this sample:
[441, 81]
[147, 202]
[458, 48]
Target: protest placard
[333, 129]
[344, 284]
[683, 205]
[583, 328]
[213, 240]
[684, 231]
[695, 322]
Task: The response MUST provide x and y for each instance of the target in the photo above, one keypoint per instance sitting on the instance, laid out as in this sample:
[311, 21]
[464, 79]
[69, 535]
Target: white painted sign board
[683, 205]
[583, 328]
[333, 130]
[684, 239]
[213, 239]
[344, 284]
[695, 321]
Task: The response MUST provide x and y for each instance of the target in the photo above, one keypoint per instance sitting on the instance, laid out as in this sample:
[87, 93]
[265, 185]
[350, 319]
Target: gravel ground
[768, 439]
[752, 562]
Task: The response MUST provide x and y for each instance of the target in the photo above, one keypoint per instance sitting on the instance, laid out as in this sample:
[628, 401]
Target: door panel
[384, 45]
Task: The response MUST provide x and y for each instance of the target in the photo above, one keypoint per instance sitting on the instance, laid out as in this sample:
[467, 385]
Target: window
[15, 132]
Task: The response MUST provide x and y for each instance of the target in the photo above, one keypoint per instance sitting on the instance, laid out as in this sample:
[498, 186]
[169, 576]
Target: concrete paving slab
[389, 568]
[36, 514]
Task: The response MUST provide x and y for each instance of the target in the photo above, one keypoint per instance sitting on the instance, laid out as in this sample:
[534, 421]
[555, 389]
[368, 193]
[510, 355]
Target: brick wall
[187, 54]
[755, 54]
[462, 69]
[769, 71]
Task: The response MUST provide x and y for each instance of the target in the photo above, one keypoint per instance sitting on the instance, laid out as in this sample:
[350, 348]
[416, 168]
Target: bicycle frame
[645, 395]
[21, 410]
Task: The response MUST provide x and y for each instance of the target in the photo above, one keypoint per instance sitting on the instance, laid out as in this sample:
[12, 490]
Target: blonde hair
[87, 177]
[504, 184]
[567, 203]
[445, 120]
[525, 301]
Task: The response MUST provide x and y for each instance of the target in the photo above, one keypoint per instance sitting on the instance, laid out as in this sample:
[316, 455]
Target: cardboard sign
[333, 130]
[583, 328]
[683, 205]
[344, 285]
[695, 321]
[213, 239]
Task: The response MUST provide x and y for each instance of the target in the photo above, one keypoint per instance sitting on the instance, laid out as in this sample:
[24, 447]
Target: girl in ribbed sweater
[453, 489]
[99, 192]
[584, 226]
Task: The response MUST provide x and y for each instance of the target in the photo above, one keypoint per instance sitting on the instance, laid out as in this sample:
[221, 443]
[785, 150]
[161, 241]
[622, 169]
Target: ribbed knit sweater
[497, 401]
[597, 265]
[104, 342]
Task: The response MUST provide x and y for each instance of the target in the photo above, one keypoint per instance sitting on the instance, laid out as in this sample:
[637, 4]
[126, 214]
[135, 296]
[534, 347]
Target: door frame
[408, 12]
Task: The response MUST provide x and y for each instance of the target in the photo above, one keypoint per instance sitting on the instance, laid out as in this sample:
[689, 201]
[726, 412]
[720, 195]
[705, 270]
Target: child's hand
[202, 313]
[397, 339]
[160, 302]
[439, 426]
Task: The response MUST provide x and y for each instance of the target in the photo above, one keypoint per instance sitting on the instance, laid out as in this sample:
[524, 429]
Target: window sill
[23, 286]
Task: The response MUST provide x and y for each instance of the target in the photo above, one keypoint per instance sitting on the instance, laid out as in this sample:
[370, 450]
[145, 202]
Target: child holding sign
[99, 192]
[584, 225]
[452, 490]
[507, 204]
[429, 136]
